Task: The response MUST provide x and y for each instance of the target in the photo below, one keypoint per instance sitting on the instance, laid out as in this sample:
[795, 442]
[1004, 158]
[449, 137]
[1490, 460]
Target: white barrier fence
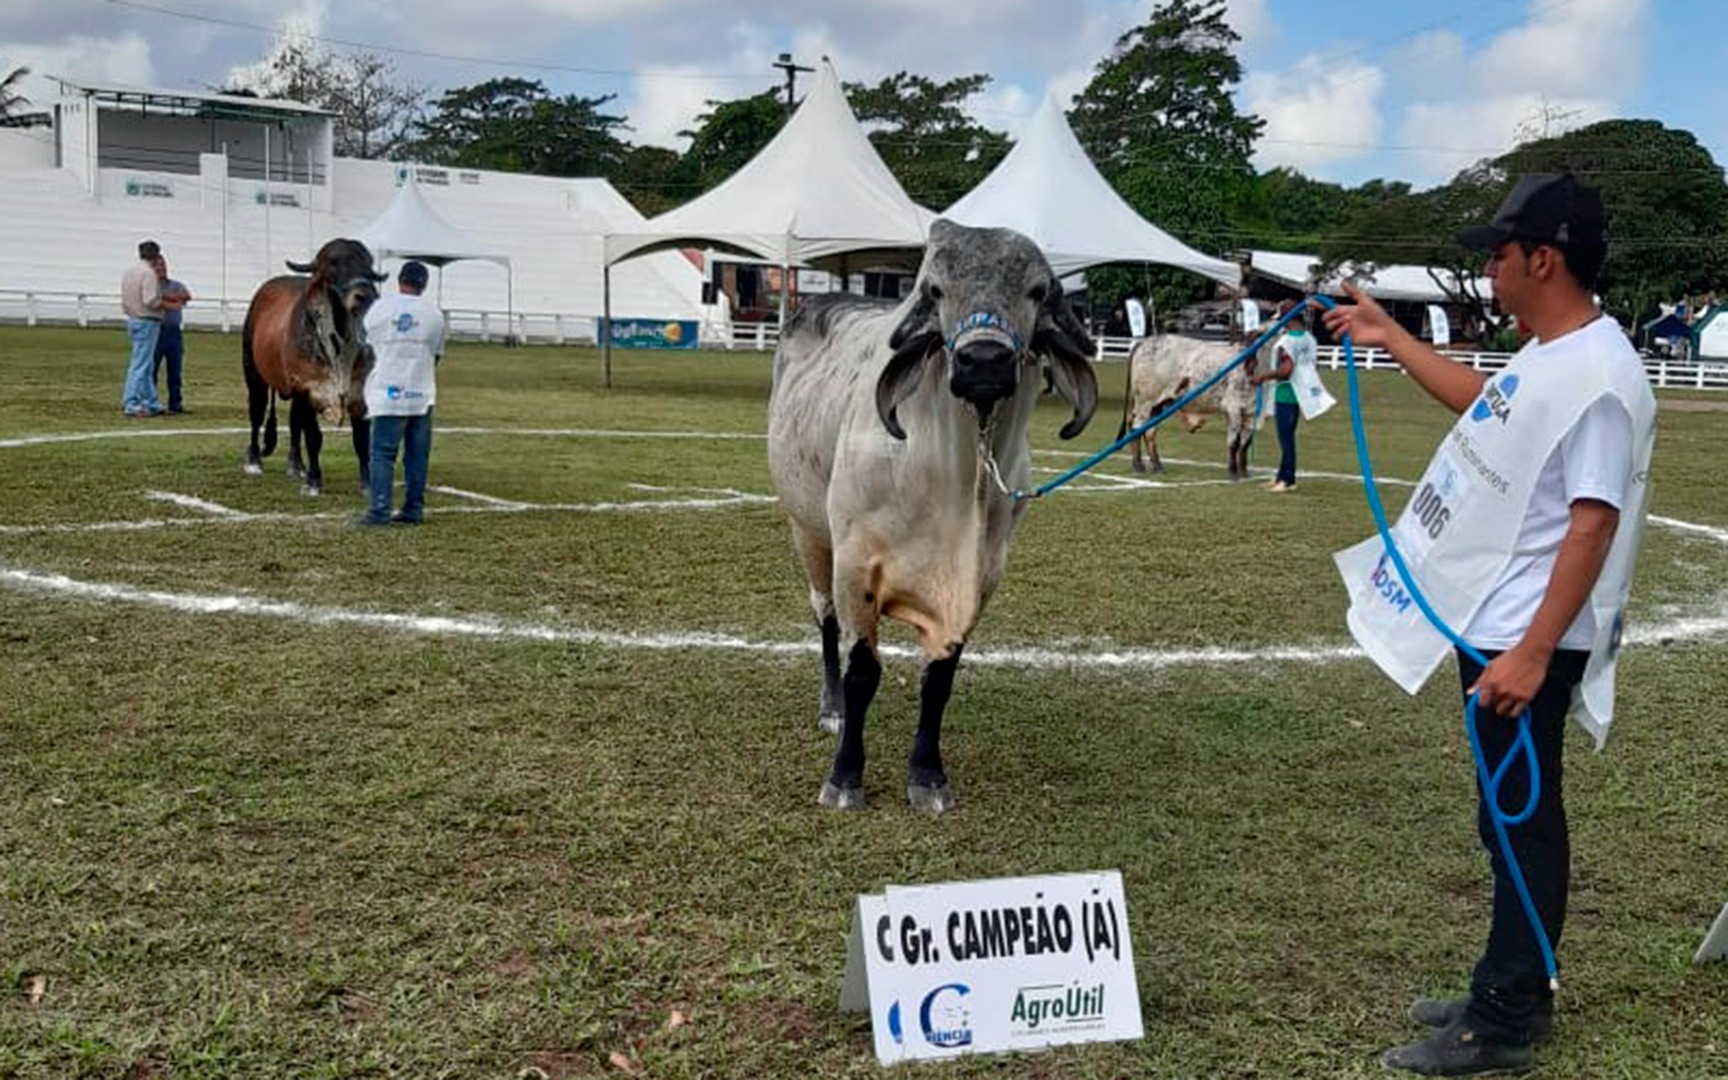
[552, 328]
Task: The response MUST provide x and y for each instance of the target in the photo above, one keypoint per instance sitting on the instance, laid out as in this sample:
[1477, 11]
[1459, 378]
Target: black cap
[414, 274]
[1549, 208]
[149, 249]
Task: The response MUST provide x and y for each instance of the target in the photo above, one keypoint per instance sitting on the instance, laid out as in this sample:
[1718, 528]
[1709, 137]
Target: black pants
[170, 346]
[1510, 980]
[1286, 414]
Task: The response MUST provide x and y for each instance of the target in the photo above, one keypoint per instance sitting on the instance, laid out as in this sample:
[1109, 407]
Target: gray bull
[891, 430]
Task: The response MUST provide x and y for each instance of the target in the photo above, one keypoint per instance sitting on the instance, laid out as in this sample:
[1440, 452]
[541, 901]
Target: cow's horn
[380, 278]
[298, 268]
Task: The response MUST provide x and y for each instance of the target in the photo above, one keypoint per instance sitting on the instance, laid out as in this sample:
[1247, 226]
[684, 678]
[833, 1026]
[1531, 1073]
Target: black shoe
[1440, 1012]
[367, 521]
[1455, 1050]
[400, 518]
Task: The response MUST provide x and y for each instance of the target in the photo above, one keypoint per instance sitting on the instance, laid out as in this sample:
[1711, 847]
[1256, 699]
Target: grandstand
[233, 186]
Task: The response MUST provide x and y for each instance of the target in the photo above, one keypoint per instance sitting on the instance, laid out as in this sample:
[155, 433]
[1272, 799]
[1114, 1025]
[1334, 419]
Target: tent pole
[606, 324]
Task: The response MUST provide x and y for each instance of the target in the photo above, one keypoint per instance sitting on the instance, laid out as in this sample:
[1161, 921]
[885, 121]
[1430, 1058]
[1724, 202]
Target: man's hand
[1512, 679]
[1363, 319]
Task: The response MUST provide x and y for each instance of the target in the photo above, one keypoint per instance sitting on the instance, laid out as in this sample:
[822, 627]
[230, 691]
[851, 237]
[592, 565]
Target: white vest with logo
[406, 334]
[1311, 394]
[1458, 530]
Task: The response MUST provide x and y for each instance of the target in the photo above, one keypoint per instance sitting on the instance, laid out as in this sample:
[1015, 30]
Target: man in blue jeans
[406, 335]
[170, 346]
[141, 299]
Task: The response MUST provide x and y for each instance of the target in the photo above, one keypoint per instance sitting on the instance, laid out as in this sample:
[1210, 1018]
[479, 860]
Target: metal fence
[38, 307]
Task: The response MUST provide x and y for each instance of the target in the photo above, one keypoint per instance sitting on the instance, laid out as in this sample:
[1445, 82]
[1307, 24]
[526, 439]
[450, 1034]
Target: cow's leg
[818, 560]
[1154, 462]
[1237, 446]
[314, 446]
[926, 782]
[362, 425]
[257, 408]
[1139, 444]
[857, 609]
[298, 408]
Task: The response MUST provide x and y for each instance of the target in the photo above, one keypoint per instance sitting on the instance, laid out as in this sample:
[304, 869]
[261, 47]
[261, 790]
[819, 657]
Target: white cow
[891, 430]
[1163, 368]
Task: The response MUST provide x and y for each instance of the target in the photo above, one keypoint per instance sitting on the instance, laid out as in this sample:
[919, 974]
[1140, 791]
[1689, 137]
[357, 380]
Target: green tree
[727, 136]
[514, 125]
[1664, 196]
[1160, 122]
[1283, 210]
[926, 138]
[373, 109]
[648, 178]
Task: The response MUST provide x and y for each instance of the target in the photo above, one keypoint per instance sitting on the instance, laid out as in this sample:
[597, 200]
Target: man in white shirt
[1523, 502]
[141, 300]
[406, 335]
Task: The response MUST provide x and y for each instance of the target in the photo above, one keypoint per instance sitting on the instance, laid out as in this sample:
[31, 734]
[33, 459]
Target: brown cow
[305, 339]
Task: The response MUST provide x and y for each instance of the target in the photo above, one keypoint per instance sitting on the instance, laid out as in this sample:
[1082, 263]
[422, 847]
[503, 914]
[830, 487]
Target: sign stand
[1715, 946]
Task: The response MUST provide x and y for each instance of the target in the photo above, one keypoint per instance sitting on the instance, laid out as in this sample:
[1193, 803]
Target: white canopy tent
[1049, 189]
[410, 229]
[818, 194]
[1391, 282]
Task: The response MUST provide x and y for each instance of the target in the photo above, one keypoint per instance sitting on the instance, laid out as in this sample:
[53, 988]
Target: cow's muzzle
[986, 370]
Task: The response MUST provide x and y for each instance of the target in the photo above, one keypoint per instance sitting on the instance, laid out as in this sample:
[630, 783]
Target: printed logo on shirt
[404, 322]
[397, 393]
[1496, 400]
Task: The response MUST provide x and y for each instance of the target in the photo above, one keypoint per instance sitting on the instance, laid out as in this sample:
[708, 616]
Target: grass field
[530, 791]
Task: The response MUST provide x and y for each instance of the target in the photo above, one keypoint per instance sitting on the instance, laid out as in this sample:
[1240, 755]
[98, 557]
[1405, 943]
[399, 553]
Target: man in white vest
[406, 335]
[1522, 535]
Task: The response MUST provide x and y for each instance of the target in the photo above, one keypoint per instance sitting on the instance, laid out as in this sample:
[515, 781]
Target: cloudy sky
[1350, 89]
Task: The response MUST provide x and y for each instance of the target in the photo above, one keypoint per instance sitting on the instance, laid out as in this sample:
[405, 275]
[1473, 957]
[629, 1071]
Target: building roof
[117, 96]
[1381, 282]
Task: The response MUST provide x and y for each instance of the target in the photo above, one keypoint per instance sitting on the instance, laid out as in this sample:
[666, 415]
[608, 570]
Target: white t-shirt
[1593, 461]
[407, 336]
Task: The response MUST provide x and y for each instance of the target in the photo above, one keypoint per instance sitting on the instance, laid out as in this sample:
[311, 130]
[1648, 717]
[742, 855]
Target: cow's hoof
[936, 798]
[841, 798]
[1139, 466]
[296, 471]
[252, 468]
[830, 722]
[312, 491]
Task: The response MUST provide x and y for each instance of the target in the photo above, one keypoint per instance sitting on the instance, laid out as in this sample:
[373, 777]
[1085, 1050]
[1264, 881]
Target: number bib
[1457, 532]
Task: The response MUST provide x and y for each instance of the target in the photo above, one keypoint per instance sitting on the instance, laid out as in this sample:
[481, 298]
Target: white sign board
[982, 967]
[1439, 326]
[1250, 316]
[1136, 317]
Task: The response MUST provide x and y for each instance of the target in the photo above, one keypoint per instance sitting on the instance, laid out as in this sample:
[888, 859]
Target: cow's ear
[1064, 342]
[901, 376]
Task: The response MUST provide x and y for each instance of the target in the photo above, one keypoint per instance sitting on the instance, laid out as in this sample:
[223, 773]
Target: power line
[426, 54]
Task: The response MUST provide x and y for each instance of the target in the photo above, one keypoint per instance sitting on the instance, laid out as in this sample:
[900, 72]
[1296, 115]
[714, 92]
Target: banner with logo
[1439, 327]
[1136, 317]
[653, 333]
[989, 966]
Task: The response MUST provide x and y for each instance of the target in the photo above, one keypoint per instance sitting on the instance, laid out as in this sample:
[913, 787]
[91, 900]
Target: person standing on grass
[170, 345]
[141, 300]
[406, 335]
[1298, 394]
[1522, 533]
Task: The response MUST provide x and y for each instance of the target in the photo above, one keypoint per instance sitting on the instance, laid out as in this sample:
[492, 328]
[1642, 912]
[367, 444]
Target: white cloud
[1252, 20]
[123, 59]
[1431, 64]
[1321, 110]
[1583, 47]
[1455, 135]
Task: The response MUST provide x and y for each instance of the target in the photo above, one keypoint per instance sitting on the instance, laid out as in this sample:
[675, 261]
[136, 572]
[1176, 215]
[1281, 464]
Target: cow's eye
[935, 292]
[1037, 294]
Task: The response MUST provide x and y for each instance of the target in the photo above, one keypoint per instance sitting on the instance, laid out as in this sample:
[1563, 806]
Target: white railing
[35, 307]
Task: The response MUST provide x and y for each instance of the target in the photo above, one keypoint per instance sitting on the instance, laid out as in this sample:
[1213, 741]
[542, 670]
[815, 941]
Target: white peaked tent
[1049, 189]
[817, 194]
[410, 229]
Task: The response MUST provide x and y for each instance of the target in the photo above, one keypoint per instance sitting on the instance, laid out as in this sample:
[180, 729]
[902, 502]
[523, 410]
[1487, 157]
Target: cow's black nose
[983, 354]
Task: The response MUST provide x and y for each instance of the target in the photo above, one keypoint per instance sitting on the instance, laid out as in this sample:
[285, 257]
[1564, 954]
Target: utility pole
[791, 69]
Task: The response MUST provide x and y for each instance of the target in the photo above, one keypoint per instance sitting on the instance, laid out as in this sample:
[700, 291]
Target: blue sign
[653, 333]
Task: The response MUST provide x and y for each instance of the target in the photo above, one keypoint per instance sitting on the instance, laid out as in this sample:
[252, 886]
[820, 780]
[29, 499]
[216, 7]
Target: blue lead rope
[1524, 746]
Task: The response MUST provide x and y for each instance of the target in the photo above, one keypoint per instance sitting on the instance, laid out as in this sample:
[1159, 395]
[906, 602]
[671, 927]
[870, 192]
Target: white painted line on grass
[605, 433]
[127, 433]
[494, 628]
[445, 489]
[1714, 533]
[193, 503]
